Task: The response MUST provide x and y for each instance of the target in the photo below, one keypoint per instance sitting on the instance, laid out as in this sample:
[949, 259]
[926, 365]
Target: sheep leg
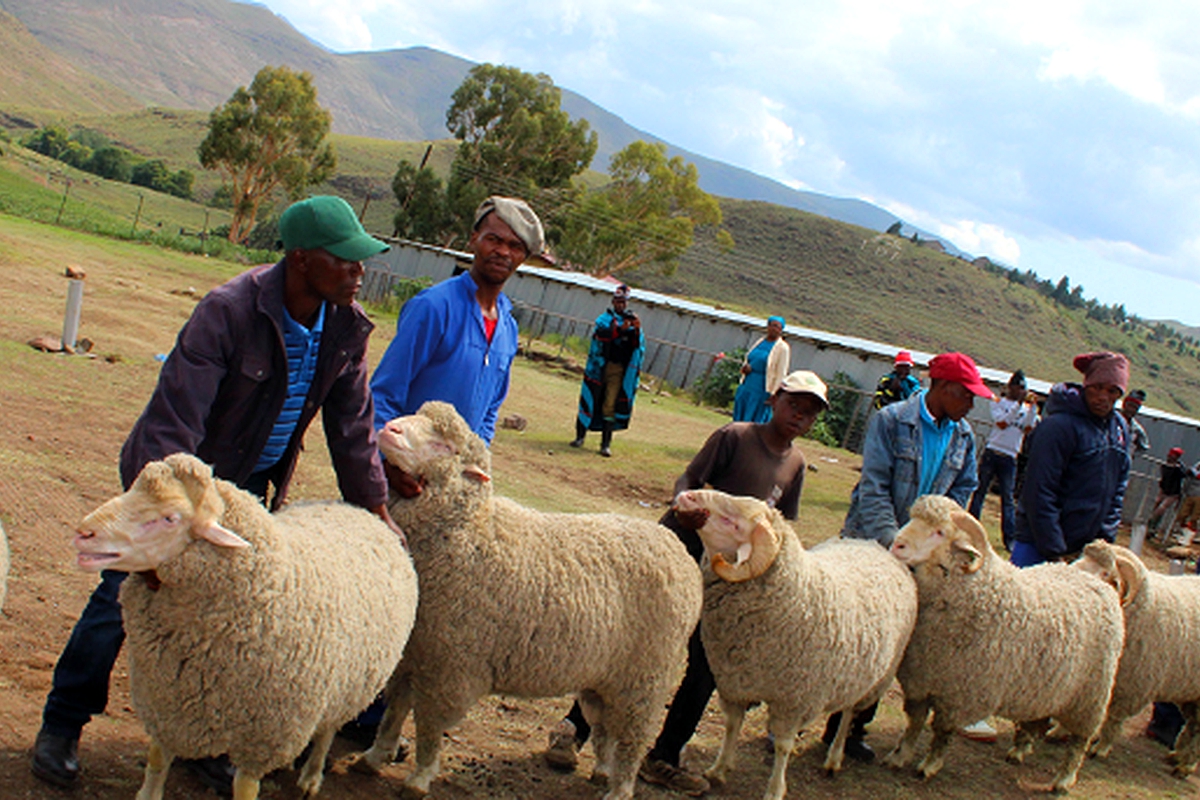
[433, 719]
[387, 738]
[313, 771]
[1187, 746]
[785, 727]
[157, 764]
[594, 711]
[837, 748]
[734, 715]
[1109, 732]
[1025, 736]
[935, 759]
[917, 712]
[1068, 771]
[244, 786]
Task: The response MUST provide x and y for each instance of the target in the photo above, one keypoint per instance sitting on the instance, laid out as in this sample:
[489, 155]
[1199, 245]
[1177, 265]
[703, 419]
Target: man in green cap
[250, 369]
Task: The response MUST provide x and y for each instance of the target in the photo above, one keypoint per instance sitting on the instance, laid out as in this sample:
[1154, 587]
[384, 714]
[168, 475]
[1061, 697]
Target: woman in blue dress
[763, 370]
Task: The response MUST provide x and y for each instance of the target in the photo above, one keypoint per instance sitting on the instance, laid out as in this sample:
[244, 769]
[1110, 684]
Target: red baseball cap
[960, 368]
[904, 357]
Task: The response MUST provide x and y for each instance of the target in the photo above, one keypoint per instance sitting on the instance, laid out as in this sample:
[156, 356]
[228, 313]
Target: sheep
[807, 632]
[1025, 644]
[1161, 660]
[529, 604]
[248, 633]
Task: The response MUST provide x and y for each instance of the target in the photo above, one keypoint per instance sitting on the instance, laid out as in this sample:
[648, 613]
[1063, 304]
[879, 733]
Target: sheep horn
[764, 543]
[977, 548]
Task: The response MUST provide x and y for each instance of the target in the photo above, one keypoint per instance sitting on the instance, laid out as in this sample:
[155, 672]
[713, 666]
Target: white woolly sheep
[248, 633]
[1024, 644]
[530, 604]
[807, 632]
[1161, 660]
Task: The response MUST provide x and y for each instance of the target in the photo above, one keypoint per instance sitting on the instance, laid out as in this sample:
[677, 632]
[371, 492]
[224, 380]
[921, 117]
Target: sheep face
[732, 527]
[1118, 567]
[171, 502]
[940, 533]
[434, 433]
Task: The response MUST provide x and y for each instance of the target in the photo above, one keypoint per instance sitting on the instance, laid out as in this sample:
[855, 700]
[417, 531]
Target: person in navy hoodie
[1078, 465]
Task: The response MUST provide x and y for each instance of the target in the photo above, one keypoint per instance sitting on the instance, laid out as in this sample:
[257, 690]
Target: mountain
[33, 75]
[192, 54]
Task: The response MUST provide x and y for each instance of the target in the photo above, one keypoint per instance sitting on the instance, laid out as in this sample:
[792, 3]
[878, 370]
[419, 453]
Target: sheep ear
[764, 547]
[973, 551]
[474, 472]
[217, 534]
[1132, 578]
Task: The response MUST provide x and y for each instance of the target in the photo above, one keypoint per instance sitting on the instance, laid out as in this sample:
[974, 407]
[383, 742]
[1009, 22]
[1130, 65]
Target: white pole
[74, 307]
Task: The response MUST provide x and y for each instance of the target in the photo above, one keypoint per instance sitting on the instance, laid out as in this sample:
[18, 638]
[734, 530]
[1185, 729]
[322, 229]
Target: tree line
[91, 151]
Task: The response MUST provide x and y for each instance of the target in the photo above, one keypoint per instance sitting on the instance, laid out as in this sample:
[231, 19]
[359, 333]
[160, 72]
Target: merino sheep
[807, 632]
[248, 633]
[530, 604]
[1161, 660]
[1025, 644]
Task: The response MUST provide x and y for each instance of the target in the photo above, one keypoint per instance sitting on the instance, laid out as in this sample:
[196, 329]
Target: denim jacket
[891, 471]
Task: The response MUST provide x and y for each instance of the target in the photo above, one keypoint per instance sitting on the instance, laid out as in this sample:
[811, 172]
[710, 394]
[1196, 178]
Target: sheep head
[171, 503]
[939, 532]
[1117, 566]
[434, 434]
[733, 527]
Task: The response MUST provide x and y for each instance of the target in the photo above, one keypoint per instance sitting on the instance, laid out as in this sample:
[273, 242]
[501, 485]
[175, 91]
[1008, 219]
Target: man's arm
[418, 333]
[1112, 518]
[347, 415]
[713, 458]
[174, 418]
[875, 508]
[967, 479]
[1041, 495]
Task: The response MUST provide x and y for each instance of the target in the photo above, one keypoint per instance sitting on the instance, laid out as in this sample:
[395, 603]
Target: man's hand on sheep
[170, 504]
[731, 527]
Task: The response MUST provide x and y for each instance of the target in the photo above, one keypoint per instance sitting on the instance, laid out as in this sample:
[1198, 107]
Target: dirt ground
[63, 421]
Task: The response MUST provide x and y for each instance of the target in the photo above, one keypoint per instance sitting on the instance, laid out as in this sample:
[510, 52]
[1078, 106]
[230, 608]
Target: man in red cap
[1170, 488]
[899, 384]
[922, 445]
[1078, 465]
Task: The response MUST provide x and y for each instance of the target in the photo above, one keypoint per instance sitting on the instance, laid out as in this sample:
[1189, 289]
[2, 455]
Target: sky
[1061, 136]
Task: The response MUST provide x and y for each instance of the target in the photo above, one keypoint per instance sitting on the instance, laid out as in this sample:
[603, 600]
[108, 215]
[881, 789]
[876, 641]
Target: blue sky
[1057, 136]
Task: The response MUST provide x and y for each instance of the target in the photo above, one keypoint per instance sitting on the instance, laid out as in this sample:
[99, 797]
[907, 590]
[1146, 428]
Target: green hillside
[828, 275]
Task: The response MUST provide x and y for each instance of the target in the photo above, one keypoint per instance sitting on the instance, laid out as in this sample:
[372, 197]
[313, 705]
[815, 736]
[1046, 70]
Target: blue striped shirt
[302, 346]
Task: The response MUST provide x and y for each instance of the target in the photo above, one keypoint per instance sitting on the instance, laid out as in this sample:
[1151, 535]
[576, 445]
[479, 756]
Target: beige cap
[517, 215]
[804, 382]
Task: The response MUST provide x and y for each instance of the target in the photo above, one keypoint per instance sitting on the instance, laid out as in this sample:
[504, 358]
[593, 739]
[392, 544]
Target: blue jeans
[80, 686]
[1004, 469]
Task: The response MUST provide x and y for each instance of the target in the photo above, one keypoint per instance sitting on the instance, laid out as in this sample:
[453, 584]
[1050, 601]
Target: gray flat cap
[517, 215]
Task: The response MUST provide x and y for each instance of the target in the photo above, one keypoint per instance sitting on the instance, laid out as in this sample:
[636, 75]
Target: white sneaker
[981, 731]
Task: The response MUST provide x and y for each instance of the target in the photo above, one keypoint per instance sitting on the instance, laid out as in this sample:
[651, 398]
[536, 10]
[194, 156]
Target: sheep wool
[813, 632]
[530, 604]
[257, 650]
[980, 646]
[1161, 659]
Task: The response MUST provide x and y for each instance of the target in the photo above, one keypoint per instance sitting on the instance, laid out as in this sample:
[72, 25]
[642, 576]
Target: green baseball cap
[328, 223]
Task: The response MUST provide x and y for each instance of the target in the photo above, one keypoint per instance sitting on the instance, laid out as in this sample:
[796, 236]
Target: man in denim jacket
[922, 445]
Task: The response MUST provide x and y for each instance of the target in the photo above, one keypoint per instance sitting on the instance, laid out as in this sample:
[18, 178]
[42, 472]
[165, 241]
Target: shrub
[718, 387]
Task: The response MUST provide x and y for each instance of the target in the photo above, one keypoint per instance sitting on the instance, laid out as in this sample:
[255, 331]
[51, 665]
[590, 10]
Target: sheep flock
[257, 635]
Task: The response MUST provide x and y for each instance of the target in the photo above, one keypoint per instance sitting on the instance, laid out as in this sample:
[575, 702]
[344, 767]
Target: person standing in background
[1013, 416]
[763, 369]
[610, 379]
[899, 384]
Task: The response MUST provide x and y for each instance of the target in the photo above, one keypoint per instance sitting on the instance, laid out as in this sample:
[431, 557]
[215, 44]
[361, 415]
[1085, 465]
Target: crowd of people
[265, 351]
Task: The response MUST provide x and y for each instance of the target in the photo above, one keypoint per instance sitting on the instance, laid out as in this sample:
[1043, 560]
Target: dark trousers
[80, 686]
[81, 676]
[1004, 469]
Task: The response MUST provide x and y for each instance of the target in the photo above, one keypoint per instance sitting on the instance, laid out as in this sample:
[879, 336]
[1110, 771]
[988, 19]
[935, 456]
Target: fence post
[74, 306]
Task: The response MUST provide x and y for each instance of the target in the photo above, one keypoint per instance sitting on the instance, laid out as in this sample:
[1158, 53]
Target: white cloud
[982, 238]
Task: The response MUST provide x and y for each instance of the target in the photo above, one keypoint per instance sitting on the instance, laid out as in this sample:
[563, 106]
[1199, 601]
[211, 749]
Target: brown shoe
[677, 779]
[563, 753]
